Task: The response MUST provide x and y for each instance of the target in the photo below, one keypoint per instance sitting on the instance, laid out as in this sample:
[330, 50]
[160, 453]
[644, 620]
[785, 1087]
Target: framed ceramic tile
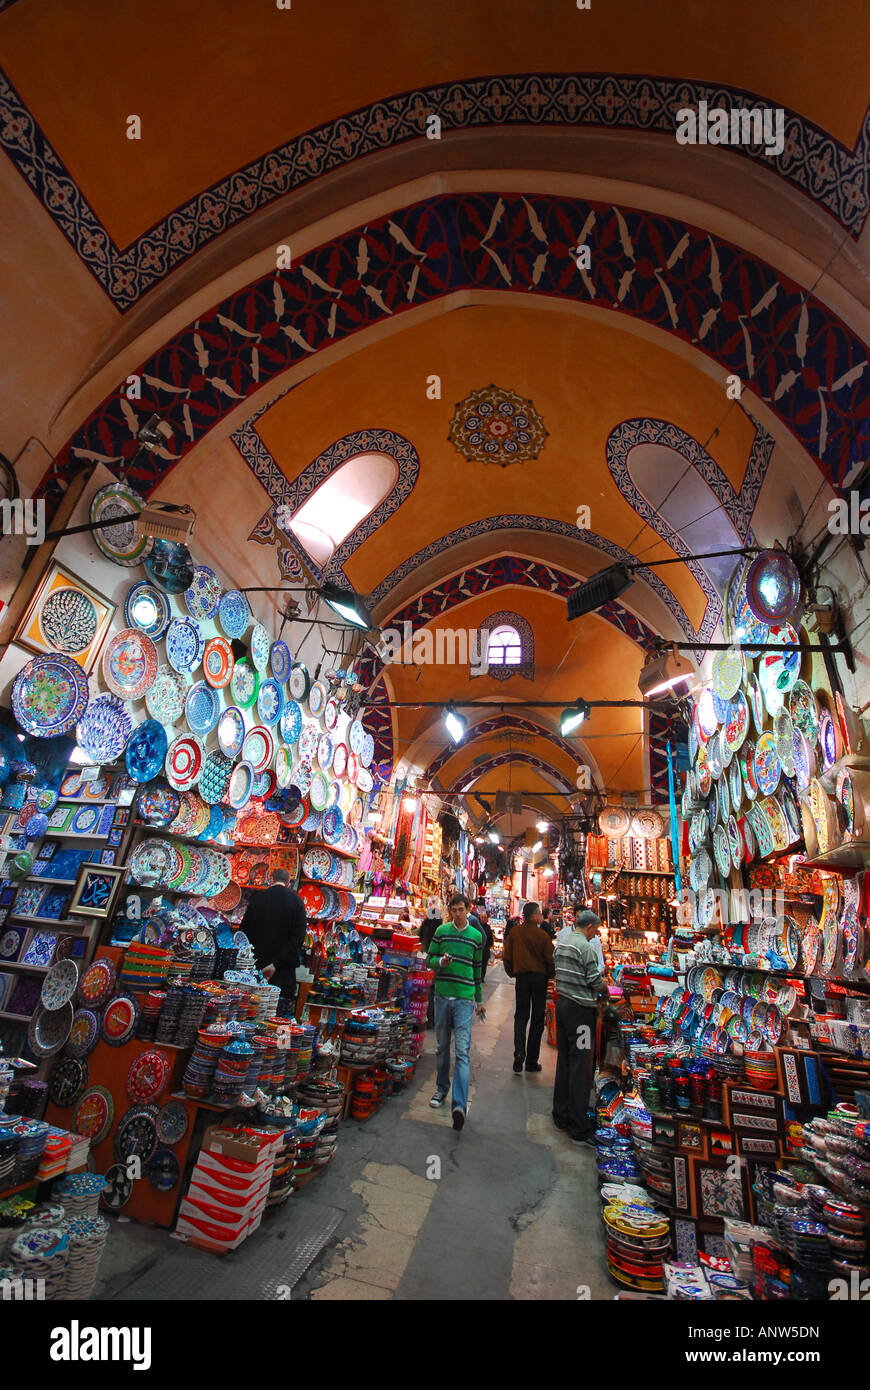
[715, 1192]
[4, 913]
[30, 895]
[45, 854]
[105, 823]
[60, 817]
[691, 1138]
[11, 942]
[115, 837]
[758, 1146]
[121, 816]
[684, 1237]
[7, 894]
[54, 904]
[107, 856]
[664, 1132]
[95, 889]
[39, 949]
[682, 1194]
[721, 1143]
[66, 615]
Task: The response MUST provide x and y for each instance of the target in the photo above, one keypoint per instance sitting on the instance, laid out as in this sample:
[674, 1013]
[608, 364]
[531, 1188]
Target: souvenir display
[84, 1033]
[279, 661]
[129, 664]
[299, 683]
[270, 702]
[93, 1113]
[184, 760]
[49, 1029]
[234, 615]
[50, 695]
[201, 708]
[104, 730]
[218, 662]
[121, 542]
[259, 647]
[204, 594]
[244, 684]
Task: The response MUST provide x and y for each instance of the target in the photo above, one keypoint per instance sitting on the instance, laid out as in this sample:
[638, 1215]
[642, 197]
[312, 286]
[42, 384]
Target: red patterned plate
[130, 664]
[97, 983]
[228, 899]
[148, 1076]
[218, 662]
[184, 760]
[330, 714]
[93, 1114]
[119, 1020]
[313, 897]
[352, 767]
[258, 748]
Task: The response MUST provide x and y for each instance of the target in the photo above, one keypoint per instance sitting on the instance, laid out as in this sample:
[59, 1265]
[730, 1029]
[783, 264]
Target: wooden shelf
[25, 969]
[15, 1018]
[62, 882]
[72, 835]
[78, 927]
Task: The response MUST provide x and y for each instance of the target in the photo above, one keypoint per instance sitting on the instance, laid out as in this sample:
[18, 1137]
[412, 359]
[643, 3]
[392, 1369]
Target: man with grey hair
[579, 981]
[275, 924]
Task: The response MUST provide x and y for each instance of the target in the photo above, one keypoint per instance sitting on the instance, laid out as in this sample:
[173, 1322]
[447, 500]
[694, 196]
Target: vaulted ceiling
[425, 271]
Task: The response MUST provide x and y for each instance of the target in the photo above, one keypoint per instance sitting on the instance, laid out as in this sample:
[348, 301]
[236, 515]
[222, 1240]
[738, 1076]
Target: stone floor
[409, 1209]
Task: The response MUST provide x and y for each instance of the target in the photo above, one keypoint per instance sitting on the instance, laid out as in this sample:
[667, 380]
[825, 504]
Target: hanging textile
[674, 836]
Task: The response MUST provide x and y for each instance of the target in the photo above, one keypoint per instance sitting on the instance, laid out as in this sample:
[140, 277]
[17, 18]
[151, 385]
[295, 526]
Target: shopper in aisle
[569, 929]
[528, 959]
[275, 924]
[456, 956]
[579, 982]
[480, 918]
[547, 925]
[428, 927]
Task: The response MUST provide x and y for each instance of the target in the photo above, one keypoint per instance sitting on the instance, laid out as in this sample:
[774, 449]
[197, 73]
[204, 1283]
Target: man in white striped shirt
[579, 981]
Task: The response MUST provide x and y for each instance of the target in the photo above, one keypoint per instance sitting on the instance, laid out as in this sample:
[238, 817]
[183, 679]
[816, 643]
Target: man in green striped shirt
[456, 956]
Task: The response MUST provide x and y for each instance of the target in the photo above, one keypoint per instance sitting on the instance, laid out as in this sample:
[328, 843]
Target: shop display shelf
[194, 839]
[333, 849]
[852, 856]
[25, 969]
[857, 761]
[63, 882]
[77, 928]
[22, 1186]
[71, 835]
[15, 1018]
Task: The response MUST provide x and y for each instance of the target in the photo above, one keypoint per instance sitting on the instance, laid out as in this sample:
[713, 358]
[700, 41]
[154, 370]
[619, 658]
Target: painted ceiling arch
[506, 723]
[464, 781]
[719, 299]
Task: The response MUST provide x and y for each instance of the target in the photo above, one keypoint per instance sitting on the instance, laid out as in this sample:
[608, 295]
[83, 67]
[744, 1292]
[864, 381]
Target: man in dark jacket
[528, 959]
[275, 924]
[428, 927]
[480, 916]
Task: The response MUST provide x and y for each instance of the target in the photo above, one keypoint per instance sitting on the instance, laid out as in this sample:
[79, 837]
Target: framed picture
[682, 1196]
[756, 1146]
[107, 856]
[66, 615]
[664, 1131]
[121, 816]
[715, 1192]
[691, 1138]
[115, 837]
[721, 1143]
[95, 889]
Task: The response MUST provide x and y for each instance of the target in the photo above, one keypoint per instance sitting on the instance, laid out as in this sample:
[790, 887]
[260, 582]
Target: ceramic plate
[231, 732]
[119, 543]
[60, 985]
[756, 703]
[218, 662]
[244, 684]
[146, 752]
[766, 765]
[120, 1018]
[783, 733]
[240, 785]
[330, 714]
[258, 748]
[104, 730]
[270, 702]
[367, 752]
[727, 673]
[234, 614]
[737, 723]
[50, 695]
[259, 648]
[299, 683]
[169, 565]
[202, 708]
[93, 1114]
[150, 863]
[804, 711]
[215, 778]
[147, 609]
[84, 1033]
[204, 594]
[184, 644]
[317, 699]
[291, 721]
[279, 661]
[129, 664]
[356, 737]
[184, 760]
[165, 700]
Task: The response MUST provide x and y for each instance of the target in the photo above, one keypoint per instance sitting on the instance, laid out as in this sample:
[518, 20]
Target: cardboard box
[236, 1223]
[221, 1164]
[234, 1144]
[201, 1190]
[209, 1233]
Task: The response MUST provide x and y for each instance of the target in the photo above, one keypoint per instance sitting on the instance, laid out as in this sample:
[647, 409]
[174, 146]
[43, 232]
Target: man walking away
[456, 956]
[528, 959]
[481, 916]
[275, 924]
[578, 984]
[428, 927]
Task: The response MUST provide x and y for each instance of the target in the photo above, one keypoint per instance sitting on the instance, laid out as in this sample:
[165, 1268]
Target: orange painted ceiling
[218, 84]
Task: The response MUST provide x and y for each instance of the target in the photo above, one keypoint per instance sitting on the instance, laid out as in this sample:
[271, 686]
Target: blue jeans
[453, 1015]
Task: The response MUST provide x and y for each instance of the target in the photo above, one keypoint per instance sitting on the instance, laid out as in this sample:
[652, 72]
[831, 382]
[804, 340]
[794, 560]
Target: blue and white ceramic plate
[146, 753]
[241, 785]
[202, 708]
[50, 695]
[260, 647]
[291, 721]
[244, 684]
[120, 542]
[234, 615]
[231, 732]
[270, 701]
[215, 778]
[204, 595]
[104, 730]
[147, 609]
[279, 660]
[165, 699]
[184, 644]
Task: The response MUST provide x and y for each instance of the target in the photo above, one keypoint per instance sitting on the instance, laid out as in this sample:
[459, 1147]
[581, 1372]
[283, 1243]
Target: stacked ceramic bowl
[80, 1193]
[42, 1252]
[87, 1238]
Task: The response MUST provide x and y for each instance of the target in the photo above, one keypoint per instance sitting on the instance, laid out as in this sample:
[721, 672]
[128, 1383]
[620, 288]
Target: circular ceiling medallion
[495, 425]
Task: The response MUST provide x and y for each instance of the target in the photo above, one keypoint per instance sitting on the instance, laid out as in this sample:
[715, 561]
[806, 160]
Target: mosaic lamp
[773, 587]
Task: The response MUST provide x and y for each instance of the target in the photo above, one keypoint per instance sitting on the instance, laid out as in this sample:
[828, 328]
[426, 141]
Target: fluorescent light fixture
[347, 605]
[539, 844]
[493, 837]
[573, 716]
[599, 589]
[548, 873]
[454, 722]
[542, 825]
[166, 521]
[661, 673]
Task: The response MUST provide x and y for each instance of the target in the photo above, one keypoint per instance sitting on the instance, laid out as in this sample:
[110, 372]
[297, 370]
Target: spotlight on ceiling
[548, 873]
[661, 673]
[539, 844]
[493, 837]
[166, 521]
[454, 722]
[542, 825]
[573, 716]
[347, 605]
[607, 584]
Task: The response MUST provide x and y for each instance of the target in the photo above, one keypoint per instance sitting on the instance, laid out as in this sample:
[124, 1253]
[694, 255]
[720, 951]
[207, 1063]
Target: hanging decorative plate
[283, 766]
[317, 697]
[331, 712]
[810, 938]
[747, 628]
[164, 1170]
[804, 759]
[67, 1081]
[707, 718]
[184, 759]
[291, 721]
[60, 984]
[364, 780]
[147, 609]
[828, 924]
[265, 784]
[259, 645]
[169, 565]
[763, 832]
[722, 708]
[724, 801]
[308, 740]
[240, 785]
[735, 787]
[722, 850]
[367, 752]
[172, 1122]
[791, 811]
[93, 1114]
[146, 753]
[756, 702]
[97, 983]
[774, 698]
[119, 543]
[824, 816]
[218, 662]
[299, 684]
[150, 863]
[136, 1134]
[714, 754]
[49, 1029]
[300, 778]
[766, 765]
[827, 740]
[777, 822]
[202, 708]
[148, 1076]
[705, 778]
[215, 825]
[104, 729]
[215, 778]
[270, 701]
[204, 594]
[120, 1018]
[728, 673]
[118, 1188]
[850, 925]
[50, 695]
[295, 818]
[353, 768]
[748, 834]
[279, 661]
[83, 1034]
[231, 732]
[165, 700]
[783, 733]
[319, 792]
[847, 801]
[234, 615]
[356, 738]
[316, 863]
[737, 725]
[804, 711]
[646, 823]
[324, 751]
[332, 825]
[244, 684]
[773, 586]
[339, 759]
[258, 748]
[184, 644]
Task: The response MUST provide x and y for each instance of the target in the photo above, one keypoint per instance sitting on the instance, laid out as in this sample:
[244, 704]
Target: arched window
[509, 645]
[337, 507]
